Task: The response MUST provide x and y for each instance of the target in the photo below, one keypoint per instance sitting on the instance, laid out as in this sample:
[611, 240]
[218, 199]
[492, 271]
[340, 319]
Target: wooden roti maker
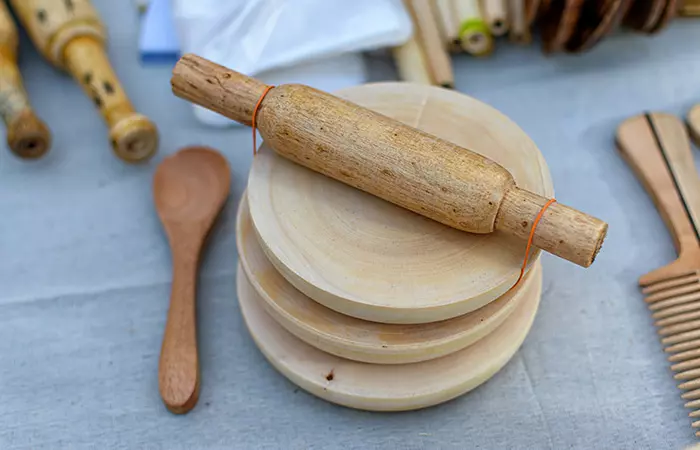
[27, 135]
[380, 260]
[72, 37]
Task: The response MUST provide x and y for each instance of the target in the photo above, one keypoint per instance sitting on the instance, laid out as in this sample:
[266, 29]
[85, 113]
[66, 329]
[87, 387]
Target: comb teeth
[675, 306]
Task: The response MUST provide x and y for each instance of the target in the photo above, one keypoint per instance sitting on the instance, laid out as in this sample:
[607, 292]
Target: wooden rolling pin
[390, 160]
[27, 135]
[70, 34]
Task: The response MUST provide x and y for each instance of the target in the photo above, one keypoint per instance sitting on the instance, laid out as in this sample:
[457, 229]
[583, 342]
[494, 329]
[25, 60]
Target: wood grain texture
[389, 264]
[27, 135]
[559, 21]
[71, 35]
[428, 35]
[381, 387]
[360, 340]
[384, 157]
[189, 189]
[693, 121]
[598, 18]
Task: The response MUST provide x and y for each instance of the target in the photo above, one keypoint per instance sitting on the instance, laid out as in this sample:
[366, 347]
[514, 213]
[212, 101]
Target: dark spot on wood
[320, 149]
[98, 101]
[114, 143]
[307, 158]
[41, 15]
[396, 134]
[321, 128]
[444, 189]
[454, 210]
[109, 89]
[346, 174]
[226, 76]
[384, 346]
[69, 5]
[87, 78]
[561, 241]
[490, 203]
[388, 173]
[210, 81]
[330, 375]
[524, 224]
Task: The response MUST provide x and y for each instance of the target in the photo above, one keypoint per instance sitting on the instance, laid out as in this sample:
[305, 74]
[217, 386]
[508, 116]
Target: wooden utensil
[474, 34]
[643, 15]
[670, 12]
[389, 264]
[389, 159]
[382, 387]
[27, 135]
[360, 340]
[656, 146]
[189, 188]
[519, 25]
[71, 36]
[496, 16]
[693, 121]
[559, 21]
[598, 18]
[428, 35]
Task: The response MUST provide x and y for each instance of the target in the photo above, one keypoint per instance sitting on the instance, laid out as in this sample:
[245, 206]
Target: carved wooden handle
[70, 34]
[27, 135]
[386, 158]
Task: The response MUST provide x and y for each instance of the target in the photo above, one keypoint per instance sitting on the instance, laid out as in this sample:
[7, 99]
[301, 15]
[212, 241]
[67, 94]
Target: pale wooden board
[358, 339]
[364, 257]
[381, 387]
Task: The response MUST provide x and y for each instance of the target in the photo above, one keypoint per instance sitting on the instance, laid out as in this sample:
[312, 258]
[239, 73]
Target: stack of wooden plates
[374, 307]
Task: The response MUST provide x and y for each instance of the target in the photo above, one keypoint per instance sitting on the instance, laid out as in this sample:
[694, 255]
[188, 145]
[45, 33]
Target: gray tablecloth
[85, 272]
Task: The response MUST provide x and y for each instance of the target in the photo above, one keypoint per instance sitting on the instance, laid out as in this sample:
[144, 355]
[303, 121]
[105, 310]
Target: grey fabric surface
[85, 271]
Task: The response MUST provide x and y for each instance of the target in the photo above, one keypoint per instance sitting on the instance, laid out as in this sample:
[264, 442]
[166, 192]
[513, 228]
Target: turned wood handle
[27, 135]
[71, 35]
[388, 159]
[178, 372]
[638, 143]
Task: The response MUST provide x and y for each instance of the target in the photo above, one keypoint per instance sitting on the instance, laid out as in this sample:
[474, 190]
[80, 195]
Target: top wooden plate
[364, 257]
[559, 21]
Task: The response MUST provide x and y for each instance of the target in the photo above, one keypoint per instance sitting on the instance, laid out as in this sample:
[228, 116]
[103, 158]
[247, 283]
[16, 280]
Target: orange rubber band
[529, 241]
[255, 113]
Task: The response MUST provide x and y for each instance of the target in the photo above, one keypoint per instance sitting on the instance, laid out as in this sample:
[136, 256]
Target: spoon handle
[178, 374]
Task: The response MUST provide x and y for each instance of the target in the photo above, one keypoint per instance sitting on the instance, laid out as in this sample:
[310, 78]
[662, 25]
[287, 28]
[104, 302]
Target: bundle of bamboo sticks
[445, 27]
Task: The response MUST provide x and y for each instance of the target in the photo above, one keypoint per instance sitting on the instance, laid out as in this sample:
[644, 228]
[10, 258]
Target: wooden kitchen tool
[431, 42]
[693, 121]
[390, 160]
[360, 340]
[645, 15]
[519, 25]
[496, 16]
[559, 21]
[474, 34]
[382, 387]
[657, 147]
[27, 135]
[71, 36]
[389, 264]
[189, 188]
[598, 18]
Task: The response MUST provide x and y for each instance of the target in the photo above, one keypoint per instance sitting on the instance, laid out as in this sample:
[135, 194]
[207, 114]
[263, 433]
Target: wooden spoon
[190, 188]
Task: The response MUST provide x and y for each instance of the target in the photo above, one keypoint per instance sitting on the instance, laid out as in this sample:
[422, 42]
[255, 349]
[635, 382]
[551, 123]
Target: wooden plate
[598, 18]
[380, 387]
[367, 258]
[643, 15]
[358, 339]
[559, 20]
[693, 121]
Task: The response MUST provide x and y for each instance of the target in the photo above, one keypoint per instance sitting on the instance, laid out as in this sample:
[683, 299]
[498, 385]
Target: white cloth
[314, 42]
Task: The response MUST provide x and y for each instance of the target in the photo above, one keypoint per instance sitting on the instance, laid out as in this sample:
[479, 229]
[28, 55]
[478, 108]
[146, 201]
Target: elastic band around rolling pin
[255, 113]
[529, 240]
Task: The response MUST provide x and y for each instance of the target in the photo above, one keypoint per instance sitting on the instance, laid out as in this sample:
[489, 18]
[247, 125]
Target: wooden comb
[656, 146]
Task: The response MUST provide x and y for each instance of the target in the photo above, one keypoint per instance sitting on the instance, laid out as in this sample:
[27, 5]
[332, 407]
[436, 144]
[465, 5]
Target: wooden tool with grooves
[657, 147]
[189, 188]
[71, 36]
[27, 135]
[390, 160]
